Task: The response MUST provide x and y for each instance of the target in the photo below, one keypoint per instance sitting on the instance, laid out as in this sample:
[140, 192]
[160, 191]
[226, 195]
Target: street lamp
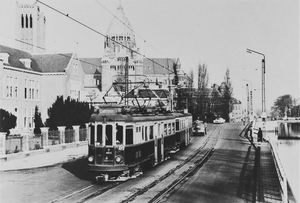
[251, 98]
[263, 115]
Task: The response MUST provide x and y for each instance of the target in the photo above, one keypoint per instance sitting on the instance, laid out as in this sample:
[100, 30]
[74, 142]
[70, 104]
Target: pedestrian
[251, 138]
[259, 135]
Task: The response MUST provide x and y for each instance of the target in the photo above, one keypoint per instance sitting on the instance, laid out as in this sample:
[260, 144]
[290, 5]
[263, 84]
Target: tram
[122, 140]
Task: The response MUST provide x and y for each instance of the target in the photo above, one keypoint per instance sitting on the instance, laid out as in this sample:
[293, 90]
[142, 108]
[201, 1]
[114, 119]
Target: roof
[91, 65]
[120, 24]
[53, 62]
[158, 65]
[14, 58]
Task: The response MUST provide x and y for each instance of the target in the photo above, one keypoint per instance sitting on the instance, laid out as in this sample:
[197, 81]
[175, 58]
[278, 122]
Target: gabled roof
[91, 65]
[53, 62]
[154, 65]
[14, 58]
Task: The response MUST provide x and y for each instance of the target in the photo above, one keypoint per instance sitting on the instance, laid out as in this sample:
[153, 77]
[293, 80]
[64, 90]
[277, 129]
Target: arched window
[22, 21]
[30, 21]
[26, 18]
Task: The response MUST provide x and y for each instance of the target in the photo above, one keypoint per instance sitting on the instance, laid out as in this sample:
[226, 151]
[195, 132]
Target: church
[29, 77]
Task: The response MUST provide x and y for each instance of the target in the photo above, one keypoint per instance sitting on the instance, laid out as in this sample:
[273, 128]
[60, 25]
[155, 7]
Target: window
[25, 89]
[16, 87]
[165, 129]
[26, 20]
[99, 134]
[177, 125]
[146, 133]
[108, 137]
[25, 120]
[119, 134]
[30, 21]
[151, 133]
[37, 89]
[92, 134]
[129, 134]
[22, 21]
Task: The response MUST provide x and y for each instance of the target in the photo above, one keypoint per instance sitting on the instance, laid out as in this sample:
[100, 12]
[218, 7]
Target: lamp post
[263, 81]
[263, 114]
[251, 98]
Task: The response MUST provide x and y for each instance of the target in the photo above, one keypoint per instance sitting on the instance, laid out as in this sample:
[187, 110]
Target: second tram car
[121, 141]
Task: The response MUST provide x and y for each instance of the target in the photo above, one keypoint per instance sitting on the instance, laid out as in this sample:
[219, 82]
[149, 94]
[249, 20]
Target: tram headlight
[91, 159]
[119, 159]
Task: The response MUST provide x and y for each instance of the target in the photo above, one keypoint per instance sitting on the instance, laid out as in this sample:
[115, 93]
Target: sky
[214, 32]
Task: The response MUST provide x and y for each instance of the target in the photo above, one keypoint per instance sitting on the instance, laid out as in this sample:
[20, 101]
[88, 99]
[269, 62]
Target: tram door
[160, 132]
[155, 150]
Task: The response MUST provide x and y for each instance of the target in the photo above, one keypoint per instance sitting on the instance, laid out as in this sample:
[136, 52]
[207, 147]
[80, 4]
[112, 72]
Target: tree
[228, 81]
[37, 121]
[203, 77]
[7, 121]
[283, 104]
[68, 113]
[203, 105]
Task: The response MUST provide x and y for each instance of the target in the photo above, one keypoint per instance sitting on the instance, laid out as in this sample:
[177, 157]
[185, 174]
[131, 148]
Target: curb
[46, 149]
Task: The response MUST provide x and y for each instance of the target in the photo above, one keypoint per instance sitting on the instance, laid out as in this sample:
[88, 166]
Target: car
[219, 121]
[199, 128]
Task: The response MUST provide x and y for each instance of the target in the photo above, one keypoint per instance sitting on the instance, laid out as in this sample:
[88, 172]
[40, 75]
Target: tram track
[86, 193]
[92, 191]
[197, 164]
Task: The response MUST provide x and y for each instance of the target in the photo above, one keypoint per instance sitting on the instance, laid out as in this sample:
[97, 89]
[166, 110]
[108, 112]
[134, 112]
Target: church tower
[30, 28]
[119, 44]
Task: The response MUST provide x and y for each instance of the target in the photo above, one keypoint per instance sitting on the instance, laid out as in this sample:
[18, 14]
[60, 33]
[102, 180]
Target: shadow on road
[79, 168]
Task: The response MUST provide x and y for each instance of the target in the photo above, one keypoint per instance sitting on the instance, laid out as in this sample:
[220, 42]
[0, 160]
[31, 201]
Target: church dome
[120, 25]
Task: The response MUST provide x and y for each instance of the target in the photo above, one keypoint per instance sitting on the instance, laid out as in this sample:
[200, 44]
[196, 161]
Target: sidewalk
[269, 189]
[46, 157]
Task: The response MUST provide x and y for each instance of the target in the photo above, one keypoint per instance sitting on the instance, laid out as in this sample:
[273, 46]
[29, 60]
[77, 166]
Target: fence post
[61, 130]
[44, 132]
[2, 143]
[25, 140]
[76, 133]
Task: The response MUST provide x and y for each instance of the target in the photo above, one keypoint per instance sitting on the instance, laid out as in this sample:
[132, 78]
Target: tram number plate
[138, 154]
[121, 147]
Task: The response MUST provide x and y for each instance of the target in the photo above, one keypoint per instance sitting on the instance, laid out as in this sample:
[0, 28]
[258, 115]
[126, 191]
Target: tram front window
[108, 137]
[119, 134]
[99, 135]
[129, 134]
[92, 134]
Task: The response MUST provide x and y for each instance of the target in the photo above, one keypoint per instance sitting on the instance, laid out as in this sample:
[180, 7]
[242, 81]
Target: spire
[120, 6]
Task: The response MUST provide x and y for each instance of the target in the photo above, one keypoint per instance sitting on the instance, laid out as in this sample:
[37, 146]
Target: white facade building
[23, 26]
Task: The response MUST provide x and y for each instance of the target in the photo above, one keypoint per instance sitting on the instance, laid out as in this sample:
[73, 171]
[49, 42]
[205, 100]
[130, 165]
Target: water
[289, 154]
[289, 130]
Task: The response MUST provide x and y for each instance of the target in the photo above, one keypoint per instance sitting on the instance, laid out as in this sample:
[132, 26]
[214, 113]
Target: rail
[280, 173]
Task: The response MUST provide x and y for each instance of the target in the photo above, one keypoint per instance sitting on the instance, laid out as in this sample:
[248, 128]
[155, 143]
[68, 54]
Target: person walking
[259, 135]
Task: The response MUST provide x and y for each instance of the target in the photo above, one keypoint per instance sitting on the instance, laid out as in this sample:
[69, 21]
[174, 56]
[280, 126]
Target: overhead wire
[92, 29]
[61, 54]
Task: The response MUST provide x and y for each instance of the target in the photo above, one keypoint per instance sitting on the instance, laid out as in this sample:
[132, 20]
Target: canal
[287, 144]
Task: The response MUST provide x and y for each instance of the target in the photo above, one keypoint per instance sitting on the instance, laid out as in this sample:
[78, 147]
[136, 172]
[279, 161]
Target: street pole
[251, 98]
[263, 114]
[263, 80]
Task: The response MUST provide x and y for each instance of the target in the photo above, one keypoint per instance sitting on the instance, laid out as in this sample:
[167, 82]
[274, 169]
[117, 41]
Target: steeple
[120, 31]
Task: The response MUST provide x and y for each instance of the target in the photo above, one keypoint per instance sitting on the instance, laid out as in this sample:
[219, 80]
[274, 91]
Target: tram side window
[173, 127]
[177, 125]
[108, 135]
[165, 129]
[151, 132]
[92, 134]
[146, 133]
[99, 134]
[129, 134]
[119, 135]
